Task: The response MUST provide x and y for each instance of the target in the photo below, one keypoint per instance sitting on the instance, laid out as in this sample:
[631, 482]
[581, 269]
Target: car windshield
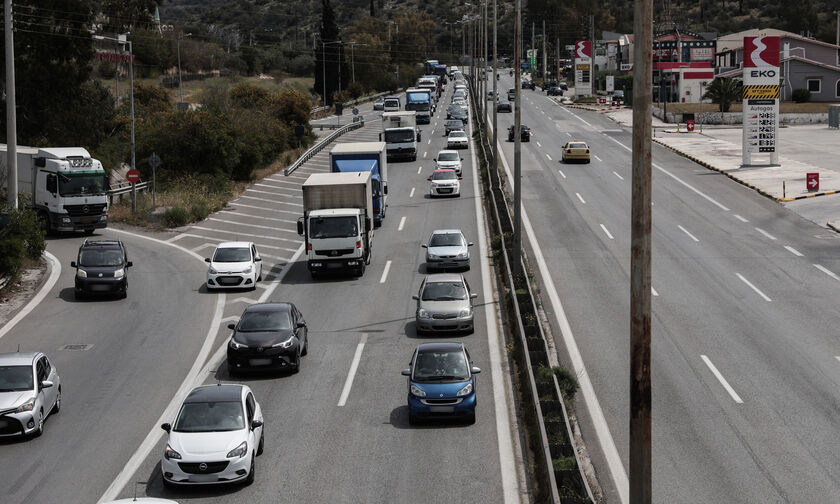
[446, 240]
[81, 184]
[100, 257]
[400, 136]
[444, 175]
[16, 378]
[333, 227]
[449, 156]
[238, 254]
[438, 366]
[444, 291]
[577, 145]
[392, 103]
[262, 320]
[210, 417]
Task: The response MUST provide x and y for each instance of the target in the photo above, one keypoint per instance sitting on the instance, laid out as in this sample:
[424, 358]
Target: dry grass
[784, 107]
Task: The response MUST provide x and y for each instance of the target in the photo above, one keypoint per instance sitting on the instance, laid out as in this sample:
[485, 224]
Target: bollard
[784, 193]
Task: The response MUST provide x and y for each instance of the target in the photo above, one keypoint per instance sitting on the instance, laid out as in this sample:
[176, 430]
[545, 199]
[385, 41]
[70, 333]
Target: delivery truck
[368, 157]
[420, 101]
[400, 133]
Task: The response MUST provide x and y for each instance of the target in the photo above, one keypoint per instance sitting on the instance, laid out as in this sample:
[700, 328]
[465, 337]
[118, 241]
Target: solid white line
[722, 380]
[653, 291]
[596, 157]
[794, 251]
[385, 272]
[578, 117]
[539, 144]
[740, 218]
[617, 175]
[607, 231]
[411, 195]
[561, 173]
[580, 198]
[402, 224]
[765, 233]
[684, 230]
[827, 271]
[419, 169]
[753, 287]
[549, 157]
[55, 271]
[348, 383]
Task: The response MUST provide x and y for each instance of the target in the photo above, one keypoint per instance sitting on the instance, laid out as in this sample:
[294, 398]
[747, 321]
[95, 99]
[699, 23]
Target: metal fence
[318, 147]
[125, 189]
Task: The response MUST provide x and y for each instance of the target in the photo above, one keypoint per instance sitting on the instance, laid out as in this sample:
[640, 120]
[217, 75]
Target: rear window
[577, 145]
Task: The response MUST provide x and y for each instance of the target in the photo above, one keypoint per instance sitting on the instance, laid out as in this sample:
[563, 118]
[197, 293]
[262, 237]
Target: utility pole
[180, 89]
[545, 56]
[837, 13]
[517, 145]
[11, 115]
[324, 65]
[131, 107]
[531, 70]
[640, 260]
[484, 69]
[495, 88]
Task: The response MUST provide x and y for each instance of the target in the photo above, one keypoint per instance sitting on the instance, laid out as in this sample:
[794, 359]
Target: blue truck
[365, 157]
[420, 101]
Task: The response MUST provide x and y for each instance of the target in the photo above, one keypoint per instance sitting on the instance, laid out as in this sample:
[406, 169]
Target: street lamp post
[180, 89]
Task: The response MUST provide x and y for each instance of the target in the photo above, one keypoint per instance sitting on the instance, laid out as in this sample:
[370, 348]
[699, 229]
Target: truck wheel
[88, 232]
[44, 219]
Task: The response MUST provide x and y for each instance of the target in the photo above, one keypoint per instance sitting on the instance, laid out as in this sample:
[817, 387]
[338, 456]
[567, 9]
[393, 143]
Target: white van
[392, 104]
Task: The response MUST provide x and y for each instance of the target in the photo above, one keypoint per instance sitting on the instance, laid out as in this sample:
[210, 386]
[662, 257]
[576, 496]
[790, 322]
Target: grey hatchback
[447, 248]
[444, 304]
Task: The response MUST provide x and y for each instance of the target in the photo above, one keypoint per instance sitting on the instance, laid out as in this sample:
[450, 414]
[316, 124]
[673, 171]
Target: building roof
[735, 41]
[737, 71]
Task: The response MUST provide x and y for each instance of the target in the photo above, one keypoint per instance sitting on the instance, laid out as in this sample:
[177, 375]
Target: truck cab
[420, 101]
[400, 133]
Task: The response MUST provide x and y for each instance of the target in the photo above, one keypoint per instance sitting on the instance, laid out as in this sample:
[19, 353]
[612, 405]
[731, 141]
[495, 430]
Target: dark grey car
[268, 336]
[447, 248]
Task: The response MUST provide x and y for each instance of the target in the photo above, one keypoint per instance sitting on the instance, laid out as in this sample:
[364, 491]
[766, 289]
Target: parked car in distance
[555, 91]
[450, 125]
[525, 133]
[444, 304]
[444, 183]
[617, 97]
[504, 106]
[441, 383]
[234, 265]
[447, 248]
[457, 139]
[101, 268]
[576, 150]
[215, 437]
[268, 336]
[379, 104]
[564, 86]
[449, 160]
[30, 389]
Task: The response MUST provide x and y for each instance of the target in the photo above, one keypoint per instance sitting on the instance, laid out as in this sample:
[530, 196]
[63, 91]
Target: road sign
[133, 176]
[355, 111]
[154, 160]
[812, 181]
[689, 124]
[602, 100]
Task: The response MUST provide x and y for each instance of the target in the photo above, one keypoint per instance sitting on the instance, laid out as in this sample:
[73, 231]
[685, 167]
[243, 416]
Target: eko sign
[583, 62]
[761, 98]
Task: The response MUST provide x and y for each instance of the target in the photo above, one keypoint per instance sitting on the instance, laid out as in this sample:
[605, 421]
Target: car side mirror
[460, 178]
[462, 159]
[470, 244]
[429, 178]
[72, 264]
[166, 427]
[301, 325]
[406, 372]
[231, 326]
[424, 245]
[206, 259]
[46, 384]
[257, 259]
[300, 226]
[256, 424]
[473, 295]
[415, 297]
[475, 370]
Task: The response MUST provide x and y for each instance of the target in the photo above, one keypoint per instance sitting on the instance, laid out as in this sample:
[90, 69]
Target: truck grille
[334, 252]
[79, 210]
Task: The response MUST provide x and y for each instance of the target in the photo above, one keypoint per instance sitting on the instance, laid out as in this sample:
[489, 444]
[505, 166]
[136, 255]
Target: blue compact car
[441, 383]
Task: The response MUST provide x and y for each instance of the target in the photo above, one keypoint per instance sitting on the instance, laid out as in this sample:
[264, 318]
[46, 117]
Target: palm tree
[724, 91]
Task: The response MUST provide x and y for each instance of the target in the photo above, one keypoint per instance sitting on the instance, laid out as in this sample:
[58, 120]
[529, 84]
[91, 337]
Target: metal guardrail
[356, 101]
[125, 189]
[318, 147]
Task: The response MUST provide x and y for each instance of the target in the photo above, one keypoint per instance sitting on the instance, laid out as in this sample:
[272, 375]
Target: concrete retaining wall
[715, 117]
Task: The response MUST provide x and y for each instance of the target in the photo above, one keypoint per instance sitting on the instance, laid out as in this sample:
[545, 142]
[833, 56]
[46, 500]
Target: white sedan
[234, 265]
[215, 438]
[457, 140]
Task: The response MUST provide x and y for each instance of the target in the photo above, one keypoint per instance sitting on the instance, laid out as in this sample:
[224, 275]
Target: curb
[834, 227]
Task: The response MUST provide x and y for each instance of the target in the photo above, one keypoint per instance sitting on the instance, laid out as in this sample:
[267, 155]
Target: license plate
[259, 362]
[442, 409]
[203, 478]
[444, 191]
[100, 288]
[334, 265]
[87, 220]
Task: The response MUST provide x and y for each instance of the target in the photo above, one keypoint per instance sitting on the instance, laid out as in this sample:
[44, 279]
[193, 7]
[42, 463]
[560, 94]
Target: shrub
[565, 379]
[107, 70]
[176, 216]
[21, 238]
[801, 95]
[356, 90]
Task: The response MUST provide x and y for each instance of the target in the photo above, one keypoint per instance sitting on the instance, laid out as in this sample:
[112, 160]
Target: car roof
[221, 392]
[269, 307]
[102, 243]
[577, 141]
[444, 277]
[234, 244]
[18, 358]
[457, 131]
[444, 346]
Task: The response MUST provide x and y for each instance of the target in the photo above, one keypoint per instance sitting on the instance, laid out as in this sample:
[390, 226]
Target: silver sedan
[444, 304]
[447, 248]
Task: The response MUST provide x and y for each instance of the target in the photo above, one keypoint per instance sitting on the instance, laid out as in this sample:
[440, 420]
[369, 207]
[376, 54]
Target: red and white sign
[761, 52]
[812, 181]
[689, 124]
[583, 49]
[133, 176]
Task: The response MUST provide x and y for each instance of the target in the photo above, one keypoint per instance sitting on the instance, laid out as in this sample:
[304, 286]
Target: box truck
[368, 157]
[400, 133]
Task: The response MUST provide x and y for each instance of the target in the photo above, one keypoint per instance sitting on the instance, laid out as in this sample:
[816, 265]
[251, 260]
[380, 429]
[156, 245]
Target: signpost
[610, 83]
[133, 176]
[689, 124]
[812, 181]
[154, 162]
[761, 98]
[583, 65]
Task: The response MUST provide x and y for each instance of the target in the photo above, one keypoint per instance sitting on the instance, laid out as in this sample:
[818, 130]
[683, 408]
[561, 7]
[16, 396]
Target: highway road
[338, 431]
[745, 354]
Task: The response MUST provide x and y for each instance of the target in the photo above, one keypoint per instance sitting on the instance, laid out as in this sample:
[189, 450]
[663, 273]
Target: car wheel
[252, 473]
[261, 446]
[40, 429]
[57, 406]
[296, 366]
[305, 346]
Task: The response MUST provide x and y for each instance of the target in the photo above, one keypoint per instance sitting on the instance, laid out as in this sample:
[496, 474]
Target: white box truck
[365, 156]
[400, 133]
[65, 186]
[337, 222]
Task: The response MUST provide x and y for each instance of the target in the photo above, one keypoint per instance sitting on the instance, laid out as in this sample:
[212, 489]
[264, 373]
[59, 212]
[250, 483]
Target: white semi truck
[65, 186]
[400, 134]
[337, 222]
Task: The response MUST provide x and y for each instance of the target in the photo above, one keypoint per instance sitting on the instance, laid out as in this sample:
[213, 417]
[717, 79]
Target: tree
[724, 91]
[329, 56]
[124, 15]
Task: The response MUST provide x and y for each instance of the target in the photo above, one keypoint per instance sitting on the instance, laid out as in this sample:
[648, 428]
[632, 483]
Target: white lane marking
[580, 198]
[753, 287]
[433, 132]
[541, 112]
[495, 339]
[419, 169]
[653, 291]
[602, 429]
[684, 230]
[232, 318]
[561, 173]
[549, 157]
[264, 209]
[411, 195]
[570, 135]
[827, 271]
[258, 226]
[424, 155]
[617, 175]
[255, 198]
[252, 216]
[765, 233]
[741, 218]
[429, 142]
[609, 235]
[385, 272]
[243, 300]
[351, 375]
[202, 246]
[274, 194]
[55, 271]
[539, 144]
[237, 233]
[219, 240]
[402, 224]
[578, 117]
[794, 251]
[837, 357]
[279, 188]
[191, 381]
[722, 380]
[596, 157]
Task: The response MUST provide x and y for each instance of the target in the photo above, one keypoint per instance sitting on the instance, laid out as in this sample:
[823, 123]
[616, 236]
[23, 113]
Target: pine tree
[329, 54]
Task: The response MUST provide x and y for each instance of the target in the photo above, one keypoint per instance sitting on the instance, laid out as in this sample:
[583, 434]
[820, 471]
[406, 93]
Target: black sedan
[451, 125]
[270, 336]
[528, 85]
[504, 106]
[526, 133]
[555, 91]
[457, 112]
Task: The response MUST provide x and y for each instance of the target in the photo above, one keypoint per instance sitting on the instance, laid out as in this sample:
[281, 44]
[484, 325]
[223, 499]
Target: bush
[107, 69]
[21, 238]
[801, 95]
[356, 90]
[565, 379]
[176, 216]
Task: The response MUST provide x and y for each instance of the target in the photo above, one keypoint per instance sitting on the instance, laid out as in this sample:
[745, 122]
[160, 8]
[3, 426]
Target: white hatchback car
[30, 390]
[234, 265]
[444, 183]
[457, 139]
[215, 438]
[449, 160]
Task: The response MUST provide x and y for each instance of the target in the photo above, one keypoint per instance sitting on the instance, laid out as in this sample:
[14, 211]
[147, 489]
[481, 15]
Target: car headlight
[423, 314]
[169, 453]
[213, 270]
[463, 255]
[466, 312]
[432, 256]
[240, 451]
[283, 344]
[81, 273]
[236, 345]
[465, 391]
[249, 269]
[119, 273]
[416, 391]
[27, 406]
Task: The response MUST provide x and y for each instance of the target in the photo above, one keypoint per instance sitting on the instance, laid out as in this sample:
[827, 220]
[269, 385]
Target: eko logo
[583, 49]
[763, 73]
[761, 52]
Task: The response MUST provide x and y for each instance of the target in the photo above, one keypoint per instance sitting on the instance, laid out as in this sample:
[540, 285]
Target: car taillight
[309, 246]
[358, 244]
